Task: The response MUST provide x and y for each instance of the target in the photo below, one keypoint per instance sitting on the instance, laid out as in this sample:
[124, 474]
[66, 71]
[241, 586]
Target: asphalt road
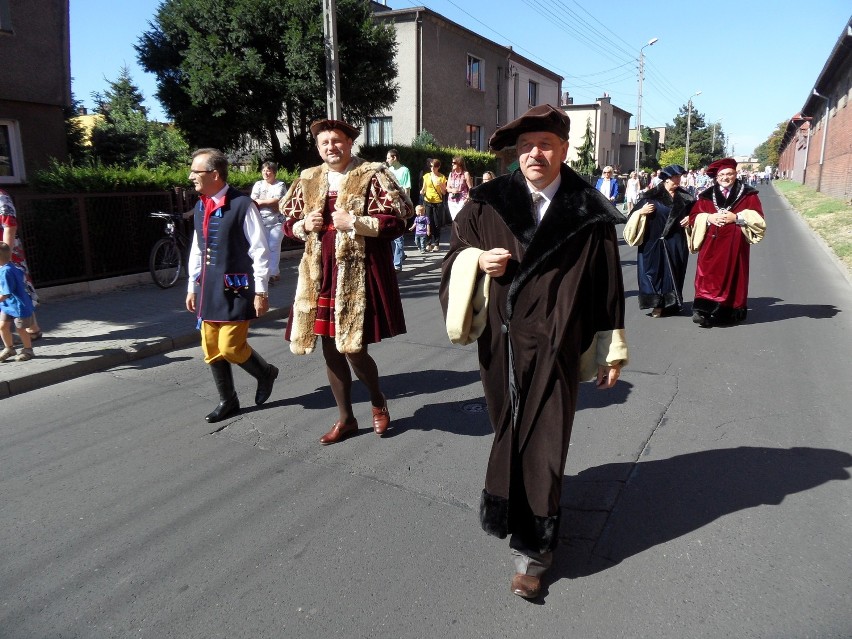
[706, 496]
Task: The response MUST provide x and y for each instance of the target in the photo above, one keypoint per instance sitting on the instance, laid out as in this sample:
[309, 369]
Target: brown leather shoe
[339, 432]
[526, 586]
[381, 419]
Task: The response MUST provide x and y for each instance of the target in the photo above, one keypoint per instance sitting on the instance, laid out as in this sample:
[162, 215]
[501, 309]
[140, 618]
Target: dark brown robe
[563, 285]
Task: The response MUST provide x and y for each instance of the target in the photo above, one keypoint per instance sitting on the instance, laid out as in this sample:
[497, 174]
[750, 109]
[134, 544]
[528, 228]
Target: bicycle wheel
[165, 263]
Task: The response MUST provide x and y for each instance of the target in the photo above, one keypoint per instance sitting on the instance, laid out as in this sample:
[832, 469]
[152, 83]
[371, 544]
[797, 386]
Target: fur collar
[679, 204]
[575, 206]
[739, 190]
[349, 254]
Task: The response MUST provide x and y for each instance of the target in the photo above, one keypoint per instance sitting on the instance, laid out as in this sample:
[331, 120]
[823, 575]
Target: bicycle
[169, 254]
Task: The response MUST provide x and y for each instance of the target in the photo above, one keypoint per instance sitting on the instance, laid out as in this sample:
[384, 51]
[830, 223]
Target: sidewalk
[84, 334]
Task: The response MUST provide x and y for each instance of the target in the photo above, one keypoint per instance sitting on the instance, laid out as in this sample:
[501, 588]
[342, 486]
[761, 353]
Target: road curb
[110, 358]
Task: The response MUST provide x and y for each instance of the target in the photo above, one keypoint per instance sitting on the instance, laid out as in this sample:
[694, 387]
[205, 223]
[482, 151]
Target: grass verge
[829, 217]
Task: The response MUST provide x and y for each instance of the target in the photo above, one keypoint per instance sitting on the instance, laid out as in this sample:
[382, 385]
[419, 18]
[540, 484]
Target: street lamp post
[688, 126]
[639, 101]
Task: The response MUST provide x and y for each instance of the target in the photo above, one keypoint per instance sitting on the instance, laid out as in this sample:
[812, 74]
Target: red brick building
[817, 145]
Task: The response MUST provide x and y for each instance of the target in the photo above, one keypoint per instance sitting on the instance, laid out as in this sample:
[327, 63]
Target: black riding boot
[229, 404]
[264, 373]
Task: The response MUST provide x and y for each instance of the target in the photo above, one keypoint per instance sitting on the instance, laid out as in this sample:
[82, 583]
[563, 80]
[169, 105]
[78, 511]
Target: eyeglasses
[191, 171]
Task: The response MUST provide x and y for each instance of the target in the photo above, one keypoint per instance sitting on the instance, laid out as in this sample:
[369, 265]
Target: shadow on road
[773, 309]
[666, 499]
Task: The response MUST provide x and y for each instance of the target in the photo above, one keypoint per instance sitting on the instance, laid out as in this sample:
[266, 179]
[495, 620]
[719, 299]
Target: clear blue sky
[754, 62]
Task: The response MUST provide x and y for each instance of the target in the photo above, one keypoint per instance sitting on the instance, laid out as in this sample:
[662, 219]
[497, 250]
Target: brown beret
[318, 126]
[718, 165]
[540, 118]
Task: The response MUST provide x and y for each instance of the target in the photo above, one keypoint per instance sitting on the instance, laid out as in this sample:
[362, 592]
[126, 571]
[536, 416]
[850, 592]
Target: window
[379, 131]
[474, 137]
[11, 155]
[475, 69]
[5, 17]
[533, 93]
[604, 122]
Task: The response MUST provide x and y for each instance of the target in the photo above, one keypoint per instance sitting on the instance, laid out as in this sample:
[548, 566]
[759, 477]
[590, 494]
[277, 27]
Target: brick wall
[836, 178]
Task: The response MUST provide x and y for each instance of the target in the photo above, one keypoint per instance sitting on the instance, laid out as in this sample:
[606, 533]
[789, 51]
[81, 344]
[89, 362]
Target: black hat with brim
[540, 118]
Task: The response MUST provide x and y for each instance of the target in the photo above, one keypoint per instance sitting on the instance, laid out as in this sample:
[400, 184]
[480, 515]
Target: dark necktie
[537, 199]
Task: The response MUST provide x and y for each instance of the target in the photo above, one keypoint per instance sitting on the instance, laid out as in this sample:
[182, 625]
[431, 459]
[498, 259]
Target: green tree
[121, 137]
[673, 156]
[255, 67]
[166, 146]
[585, 162]
[75, 135]
[706, 143]
[768, 151]
[424, 139]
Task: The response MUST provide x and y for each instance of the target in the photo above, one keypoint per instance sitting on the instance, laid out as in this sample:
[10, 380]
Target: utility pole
[713, 139]
[639, 101]
[688, 126]
[332, 67]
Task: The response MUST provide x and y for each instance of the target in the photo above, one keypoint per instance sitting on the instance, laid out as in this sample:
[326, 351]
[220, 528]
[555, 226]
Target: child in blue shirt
[15, 306]
[420, 227]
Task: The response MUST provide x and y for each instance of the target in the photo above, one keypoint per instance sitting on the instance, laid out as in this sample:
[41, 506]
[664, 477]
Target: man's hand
[190, 302]
[343, 220]
[313, 221]
[261, 305]
[494, 262]
[607, 376]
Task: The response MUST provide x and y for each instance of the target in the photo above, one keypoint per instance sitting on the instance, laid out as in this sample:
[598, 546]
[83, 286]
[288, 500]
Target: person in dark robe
[657, 224]
[533, 276]
[724, 222]
[347, 212]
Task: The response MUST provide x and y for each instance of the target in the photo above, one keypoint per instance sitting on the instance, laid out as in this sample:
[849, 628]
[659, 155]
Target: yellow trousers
[225, 340]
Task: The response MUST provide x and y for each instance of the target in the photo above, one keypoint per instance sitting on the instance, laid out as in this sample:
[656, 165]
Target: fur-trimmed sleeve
[387, 197]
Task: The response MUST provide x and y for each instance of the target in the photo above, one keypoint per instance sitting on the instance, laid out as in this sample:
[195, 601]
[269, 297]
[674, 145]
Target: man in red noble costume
[347, 212]
[725, 221]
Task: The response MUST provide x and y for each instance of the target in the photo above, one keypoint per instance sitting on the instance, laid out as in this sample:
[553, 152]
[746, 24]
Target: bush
[93, 178]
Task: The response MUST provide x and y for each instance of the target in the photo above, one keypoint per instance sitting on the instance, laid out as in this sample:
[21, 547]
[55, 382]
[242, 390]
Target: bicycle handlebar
[166, 216]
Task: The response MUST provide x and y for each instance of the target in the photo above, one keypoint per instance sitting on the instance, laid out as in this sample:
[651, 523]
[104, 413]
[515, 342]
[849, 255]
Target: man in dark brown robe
[533, 274]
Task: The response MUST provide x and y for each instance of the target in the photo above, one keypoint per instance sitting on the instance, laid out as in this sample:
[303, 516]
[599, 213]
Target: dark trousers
[435, 213]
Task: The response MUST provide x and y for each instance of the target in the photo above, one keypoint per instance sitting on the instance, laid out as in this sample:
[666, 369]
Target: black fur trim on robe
[575, 205]
[494, 515]
[738, 191]
[494, 518]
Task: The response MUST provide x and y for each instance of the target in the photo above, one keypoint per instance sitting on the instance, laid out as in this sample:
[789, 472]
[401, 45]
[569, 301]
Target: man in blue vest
[228, 275]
